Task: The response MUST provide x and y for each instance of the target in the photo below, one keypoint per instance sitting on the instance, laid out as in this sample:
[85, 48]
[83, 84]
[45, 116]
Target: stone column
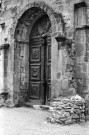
[61, 40]
[6, 91]
[1, 71]
[2, 49]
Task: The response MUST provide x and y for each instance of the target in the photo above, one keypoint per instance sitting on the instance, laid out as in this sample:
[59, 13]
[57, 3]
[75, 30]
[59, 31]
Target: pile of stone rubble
[67, 110]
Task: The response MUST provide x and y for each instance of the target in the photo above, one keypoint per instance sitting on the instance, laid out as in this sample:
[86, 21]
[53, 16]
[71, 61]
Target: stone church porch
[44, 60]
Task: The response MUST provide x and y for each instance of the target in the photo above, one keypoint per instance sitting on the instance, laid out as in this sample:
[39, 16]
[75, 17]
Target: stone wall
[68, 80]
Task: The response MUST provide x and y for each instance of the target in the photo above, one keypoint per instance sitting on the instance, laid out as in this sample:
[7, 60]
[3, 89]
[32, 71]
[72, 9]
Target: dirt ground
[29, 121]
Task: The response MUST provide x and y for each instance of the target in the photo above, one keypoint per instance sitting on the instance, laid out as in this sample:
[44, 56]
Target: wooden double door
[40, 67]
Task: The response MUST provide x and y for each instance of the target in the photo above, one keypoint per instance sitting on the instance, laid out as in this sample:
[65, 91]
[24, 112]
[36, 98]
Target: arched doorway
[40, 61]
[32, 59]
[35, 54]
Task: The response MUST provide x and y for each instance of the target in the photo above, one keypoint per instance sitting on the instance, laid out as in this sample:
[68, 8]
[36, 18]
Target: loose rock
[67, 110]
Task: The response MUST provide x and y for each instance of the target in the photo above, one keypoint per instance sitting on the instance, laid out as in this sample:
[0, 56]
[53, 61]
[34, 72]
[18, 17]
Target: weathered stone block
[85, 82]
[9, 103]
[65, 84]
[78, 69]
[87, 103]
[87, 114]
[87, 117]
[21, 52]
[84, 65]
[68, 93]
[1, 101]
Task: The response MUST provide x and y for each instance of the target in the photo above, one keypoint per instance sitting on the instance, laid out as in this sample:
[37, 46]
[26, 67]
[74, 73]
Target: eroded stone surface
[6, 100]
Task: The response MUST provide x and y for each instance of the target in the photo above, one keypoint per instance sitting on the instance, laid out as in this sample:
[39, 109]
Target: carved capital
[44, 36]
[4, 46]
[60, 38]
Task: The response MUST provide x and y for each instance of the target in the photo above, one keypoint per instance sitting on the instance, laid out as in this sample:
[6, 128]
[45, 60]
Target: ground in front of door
[29, 121]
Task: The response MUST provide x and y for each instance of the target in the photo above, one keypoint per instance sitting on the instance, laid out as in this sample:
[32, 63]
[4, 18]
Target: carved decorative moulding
[35, 56]
[4, 46]
[44, 36]
[63, 41]
[3, 25]
[60, 38]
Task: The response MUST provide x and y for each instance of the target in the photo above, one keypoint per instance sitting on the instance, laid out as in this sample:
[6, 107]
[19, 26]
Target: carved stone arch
[27, 21]
[56, 19]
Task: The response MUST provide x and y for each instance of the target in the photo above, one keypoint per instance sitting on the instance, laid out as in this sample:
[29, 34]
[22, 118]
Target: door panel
[35, 90]
[40, 63]
[36, 71]
[35, 55]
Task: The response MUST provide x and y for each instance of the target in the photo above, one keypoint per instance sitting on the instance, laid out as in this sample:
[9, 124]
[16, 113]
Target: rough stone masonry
[67, 110]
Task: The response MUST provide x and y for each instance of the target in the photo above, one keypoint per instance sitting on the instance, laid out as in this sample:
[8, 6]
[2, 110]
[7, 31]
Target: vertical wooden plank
[48, 69]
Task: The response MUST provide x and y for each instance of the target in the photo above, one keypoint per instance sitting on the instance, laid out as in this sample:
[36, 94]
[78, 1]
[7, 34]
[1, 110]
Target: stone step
[37, 106]
[44, 107]
[28, 104]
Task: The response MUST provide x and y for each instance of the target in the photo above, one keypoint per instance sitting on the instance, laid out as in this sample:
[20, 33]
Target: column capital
[4, 46]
